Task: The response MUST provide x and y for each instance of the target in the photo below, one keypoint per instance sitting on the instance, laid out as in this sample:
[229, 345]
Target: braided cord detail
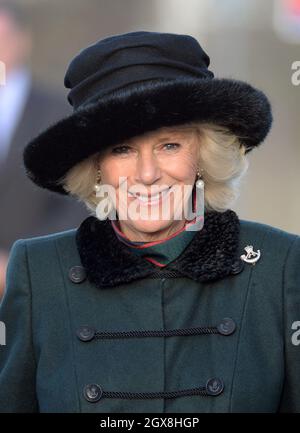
[151, 395]
[165, 333]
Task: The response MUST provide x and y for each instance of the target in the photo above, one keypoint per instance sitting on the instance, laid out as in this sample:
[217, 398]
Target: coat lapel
[212, 253]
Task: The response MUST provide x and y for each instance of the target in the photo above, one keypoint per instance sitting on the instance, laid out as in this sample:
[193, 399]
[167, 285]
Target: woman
[136, 311]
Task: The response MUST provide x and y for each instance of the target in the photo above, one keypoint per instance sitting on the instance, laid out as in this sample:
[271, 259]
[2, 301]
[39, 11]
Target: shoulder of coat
[267, 232]
[48, 239]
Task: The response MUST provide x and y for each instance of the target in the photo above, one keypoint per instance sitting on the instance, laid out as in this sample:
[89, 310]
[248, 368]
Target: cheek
[111, 171]
[182, 167]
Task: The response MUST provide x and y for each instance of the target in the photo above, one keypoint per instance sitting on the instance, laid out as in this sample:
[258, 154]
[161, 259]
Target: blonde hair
[221, 156]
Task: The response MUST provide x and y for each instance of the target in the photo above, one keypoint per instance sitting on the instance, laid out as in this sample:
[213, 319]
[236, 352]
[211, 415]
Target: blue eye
[174, 145]
[124, 149]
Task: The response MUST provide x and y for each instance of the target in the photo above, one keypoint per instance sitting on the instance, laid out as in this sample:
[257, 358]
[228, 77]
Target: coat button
[237, 266]
[77, 274]
[85, 333]
[92, 392]
[214, 386]
[227, 326]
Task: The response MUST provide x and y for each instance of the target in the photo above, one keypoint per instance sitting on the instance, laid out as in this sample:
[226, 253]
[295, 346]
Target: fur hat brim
[126, 113]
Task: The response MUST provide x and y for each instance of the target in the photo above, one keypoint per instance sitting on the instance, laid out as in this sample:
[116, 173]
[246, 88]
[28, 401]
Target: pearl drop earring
[97, 185]
[200, 181]
[104, 206]
[199, 211]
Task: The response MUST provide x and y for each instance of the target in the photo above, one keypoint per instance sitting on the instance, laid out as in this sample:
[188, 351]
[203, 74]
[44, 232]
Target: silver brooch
[251, 256]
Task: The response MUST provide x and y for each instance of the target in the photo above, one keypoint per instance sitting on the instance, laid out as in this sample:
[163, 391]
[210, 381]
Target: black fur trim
[209, 256]
[121, 115]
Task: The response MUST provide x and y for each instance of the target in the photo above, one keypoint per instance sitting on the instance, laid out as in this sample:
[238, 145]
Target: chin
[150, 226]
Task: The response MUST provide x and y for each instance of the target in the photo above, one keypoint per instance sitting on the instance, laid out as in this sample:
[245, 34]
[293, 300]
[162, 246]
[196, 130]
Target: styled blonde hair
[221, 156]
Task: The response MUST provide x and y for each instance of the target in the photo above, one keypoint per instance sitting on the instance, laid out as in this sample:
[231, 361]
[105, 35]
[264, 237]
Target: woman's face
[151, 163]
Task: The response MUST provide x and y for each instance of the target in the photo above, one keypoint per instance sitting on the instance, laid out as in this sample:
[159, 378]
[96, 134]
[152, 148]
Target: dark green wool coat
[91, 327]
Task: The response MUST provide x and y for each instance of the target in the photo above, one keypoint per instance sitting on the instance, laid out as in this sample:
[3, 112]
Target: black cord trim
[149, 395]
[164, 273]
[165, 333]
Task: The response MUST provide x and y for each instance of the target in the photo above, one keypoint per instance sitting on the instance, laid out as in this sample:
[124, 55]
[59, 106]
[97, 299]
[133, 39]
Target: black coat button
[85, 333]
[237, 266]
[227, 326]
[77, 274]
[92, 392]
[214, 386]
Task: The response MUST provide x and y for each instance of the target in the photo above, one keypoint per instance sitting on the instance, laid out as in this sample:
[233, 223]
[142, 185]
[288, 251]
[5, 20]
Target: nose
[148, 170]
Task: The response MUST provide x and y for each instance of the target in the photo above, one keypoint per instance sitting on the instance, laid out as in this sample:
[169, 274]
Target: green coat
[77, 303]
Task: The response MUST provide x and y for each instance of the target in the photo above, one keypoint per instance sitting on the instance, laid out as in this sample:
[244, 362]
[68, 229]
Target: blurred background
[252, 40]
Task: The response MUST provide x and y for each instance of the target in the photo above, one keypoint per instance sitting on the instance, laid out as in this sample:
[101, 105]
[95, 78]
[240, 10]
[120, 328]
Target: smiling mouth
[151, 199]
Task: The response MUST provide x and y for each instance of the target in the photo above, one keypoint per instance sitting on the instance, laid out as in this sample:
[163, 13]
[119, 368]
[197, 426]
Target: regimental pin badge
[251, 256]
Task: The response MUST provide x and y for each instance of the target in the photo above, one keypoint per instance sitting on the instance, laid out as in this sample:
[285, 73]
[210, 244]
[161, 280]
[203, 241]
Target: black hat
[132, 83]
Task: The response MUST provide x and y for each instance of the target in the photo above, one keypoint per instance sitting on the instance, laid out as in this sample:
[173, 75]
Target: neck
[139, 236]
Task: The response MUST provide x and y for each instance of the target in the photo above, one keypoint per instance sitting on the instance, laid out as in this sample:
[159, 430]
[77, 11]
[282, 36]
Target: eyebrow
[165, 138]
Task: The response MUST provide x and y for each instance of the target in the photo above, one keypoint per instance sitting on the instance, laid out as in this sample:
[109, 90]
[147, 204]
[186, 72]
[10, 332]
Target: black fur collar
[210, 255]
